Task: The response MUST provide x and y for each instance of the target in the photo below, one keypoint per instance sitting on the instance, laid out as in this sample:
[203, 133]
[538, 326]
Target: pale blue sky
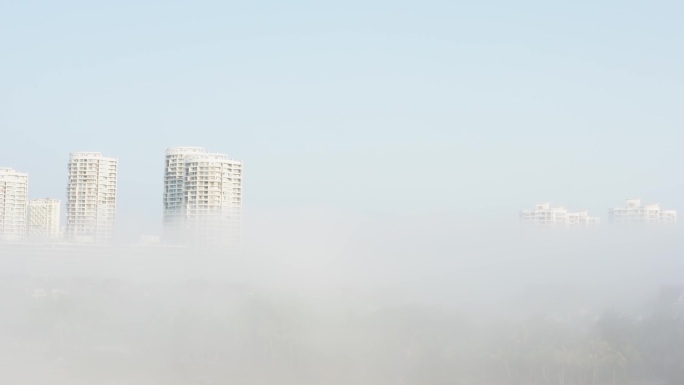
[375, 106]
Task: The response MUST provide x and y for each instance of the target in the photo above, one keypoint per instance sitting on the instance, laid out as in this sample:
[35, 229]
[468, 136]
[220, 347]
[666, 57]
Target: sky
[371, 107]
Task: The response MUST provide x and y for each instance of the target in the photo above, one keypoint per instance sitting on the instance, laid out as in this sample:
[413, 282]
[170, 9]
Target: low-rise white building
[581, 218]
[544, 215]
[43, 220]
[636, 212]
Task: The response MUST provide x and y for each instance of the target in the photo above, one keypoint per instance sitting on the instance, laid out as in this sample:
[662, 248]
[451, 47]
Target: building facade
[544, 215]
[42, 218]
[637, 213]
[91, 198]
[174, 190]
[13, 204]
[202, 197]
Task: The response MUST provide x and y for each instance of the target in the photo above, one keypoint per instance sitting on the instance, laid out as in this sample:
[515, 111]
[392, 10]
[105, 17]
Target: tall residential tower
[13, 201]
[202, 197]
[91, 198]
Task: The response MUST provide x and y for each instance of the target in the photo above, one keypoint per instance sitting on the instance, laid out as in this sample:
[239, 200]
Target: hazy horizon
[388, 147]
[373, 107]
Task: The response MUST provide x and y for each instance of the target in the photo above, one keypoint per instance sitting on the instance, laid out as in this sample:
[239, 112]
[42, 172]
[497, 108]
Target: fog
[326, 297]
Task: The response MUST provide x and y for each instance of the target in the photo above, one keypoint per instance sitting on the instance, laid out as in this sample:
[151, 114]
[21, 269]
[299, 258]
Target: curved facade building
[202, 198]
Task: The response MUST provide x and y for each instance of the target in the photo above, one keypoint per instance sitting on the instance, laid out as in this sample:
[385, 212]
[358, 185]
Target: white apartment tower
[202, 197]
[13, 201]
[544, 215]
[91, 198]
[174, 188]
[43, 220]
[636, 212]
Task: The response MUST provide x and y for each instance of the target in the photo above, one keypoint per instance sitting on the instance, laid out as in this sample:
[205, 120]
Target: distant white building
[636, 212]
[545, 215]
[202, 197]
[581, 218]
[13, 201]
[43, 219]
[91, 198]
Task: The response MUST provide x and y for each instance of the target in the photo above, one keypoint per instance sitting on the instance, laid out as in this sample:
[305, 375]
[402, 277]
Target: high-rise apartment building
[43, 219]
[202, 197]
[546, 216]
[91, 198]
[636, 212]
[174, 189]
[13, 201]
